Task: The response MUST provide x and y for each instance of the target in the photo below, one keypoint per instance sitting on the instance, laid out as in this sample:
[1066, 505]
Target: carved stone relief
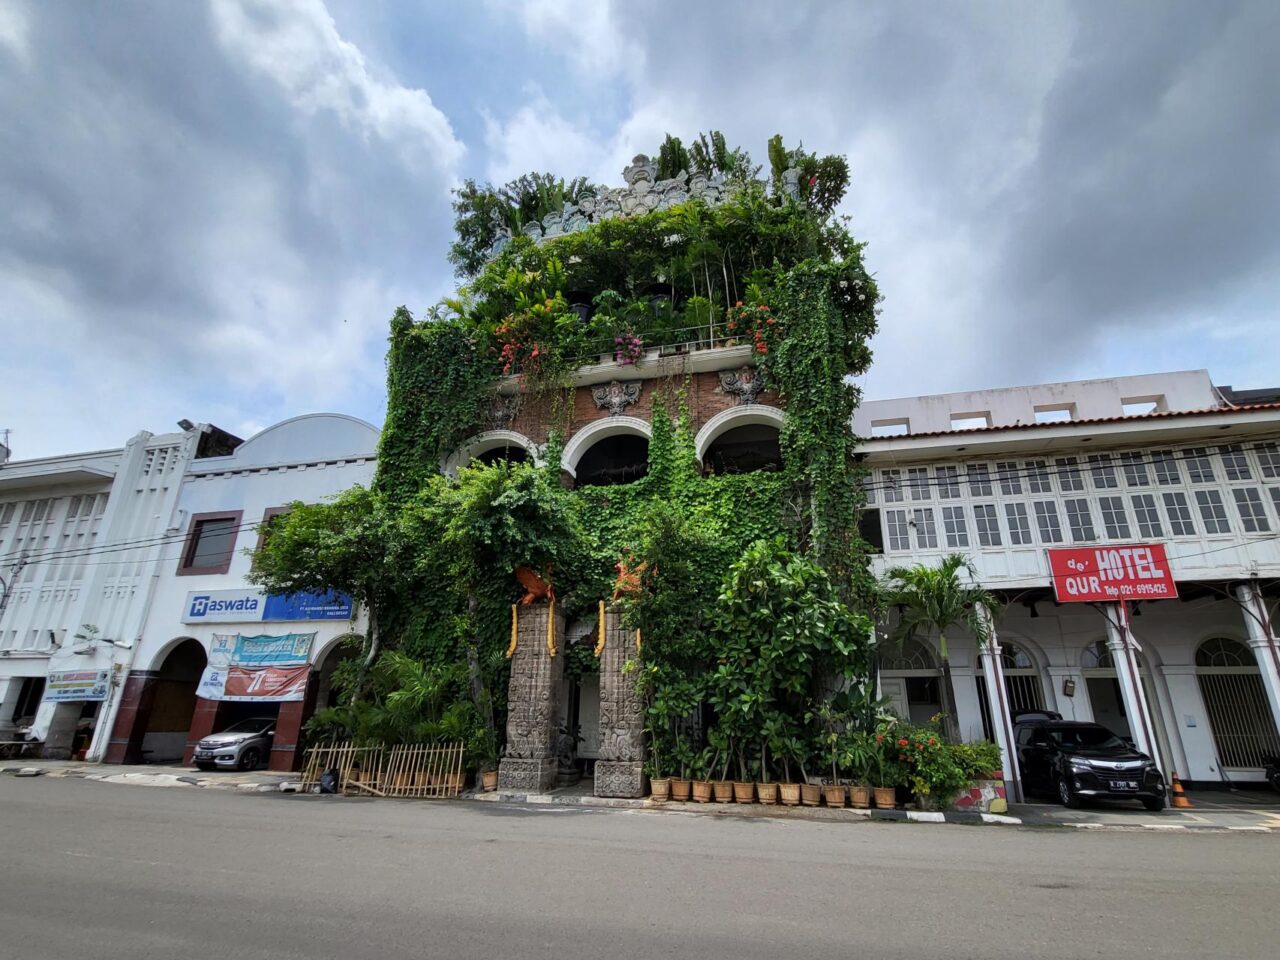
[529, 763]
[619, 771]
[616, 395]
[745, 384]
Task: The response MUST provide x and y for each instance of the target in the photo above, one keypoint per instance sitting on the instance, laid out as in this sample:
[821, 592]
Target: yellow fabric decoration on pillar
[637, 639]
[512, 649]
[551, 628]
[600, 640]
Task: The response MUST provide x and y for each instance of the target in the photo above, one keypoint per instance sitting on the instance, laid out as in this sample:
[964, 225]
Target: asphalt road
[92, 870]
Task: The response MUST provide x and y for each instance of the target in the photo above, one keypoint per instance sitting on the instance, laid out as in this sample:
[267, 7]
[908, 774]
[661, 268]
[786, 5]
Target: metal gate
[1239, 715]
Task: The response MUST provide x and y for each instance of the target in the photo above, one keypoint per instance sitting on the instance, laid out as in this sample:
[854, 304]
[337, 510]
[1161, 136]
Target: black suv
[1082, 761]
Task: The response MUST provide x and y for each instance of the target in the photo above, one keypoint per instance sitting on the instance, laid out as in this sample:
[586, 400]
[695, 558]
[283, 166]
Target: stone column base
[619, 778]
[527, 776]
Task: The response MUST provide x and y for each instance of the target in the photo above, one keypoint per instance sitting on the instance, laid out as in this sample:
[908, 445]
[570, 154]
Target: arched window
[1021, 684]
[909, 655]
[1097, 656]
[622, 458]
[1240, 719]
[745, 449]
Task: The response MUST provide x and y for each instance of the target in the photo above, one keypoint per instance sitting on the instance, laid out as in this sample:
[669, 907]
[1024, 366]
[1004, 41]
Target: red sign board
[266, 683]
[1111, 574]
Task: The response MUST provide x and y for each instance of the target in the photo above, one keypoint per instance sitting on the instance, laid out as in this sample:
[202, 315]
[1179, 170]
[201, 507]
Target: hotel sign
[1112, 574]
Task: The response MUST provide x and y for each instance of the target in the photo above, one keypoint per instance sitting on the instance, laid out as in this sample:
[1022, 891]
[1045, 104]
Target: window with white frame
[1103, 471]
[897, 529]
[1080, 520]
[1114, 519]
[1038, 477]
[1175, 504]
[1212, 511]
[1019, 525]
[949, 483]
[979, 479]
[953, 526]
[1275, 498]
[869, 488]
[1235, 462]
[1269, 459]
[892, 486]
[1047, 521]
[1252, 514]
[987, 524]
[1069, 476]
[1166, 467]
[1135, 470]
[1199, 466]
[1010, 480]
[918, 483]
[1147, 515]
[926, 530]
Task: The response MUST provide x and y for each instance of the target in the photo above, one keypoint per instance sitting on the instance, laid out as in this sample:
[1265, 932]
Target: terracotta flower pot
[860, 796]
[810, 794]
[886, 797]
[723, 790]
[790, 793]
[489, 779]
[767, 792]
[660, 789]
[702, 791]
[680, 789]
[834, 794]
[743, 792]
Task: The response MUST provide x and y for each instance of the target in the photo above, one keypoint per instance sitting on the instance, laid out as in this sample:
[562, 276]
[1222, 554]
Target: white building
[201, 592]
[1005, 476]
[80, 539]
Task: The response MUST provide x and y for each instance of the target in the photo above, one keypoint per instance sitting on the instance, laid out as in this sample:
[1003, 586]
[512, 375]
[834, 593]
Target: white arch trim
[599, 430]
[483, 443]
[743, 415]
[170, 645]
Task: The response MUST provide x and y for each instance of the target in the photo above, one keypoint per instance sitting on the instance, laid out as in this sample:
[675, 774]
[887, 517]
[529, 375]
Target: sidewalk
[150, 775]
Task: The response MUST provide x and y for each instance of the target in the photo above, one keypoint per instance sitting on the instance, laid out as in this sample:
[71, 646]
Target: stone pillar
[286, 747]
[204, 721]
[1262, 641]
[529, 765]
[1124, 654]
[61, 733]
[132, 719]
[620, 769]
[998, 699]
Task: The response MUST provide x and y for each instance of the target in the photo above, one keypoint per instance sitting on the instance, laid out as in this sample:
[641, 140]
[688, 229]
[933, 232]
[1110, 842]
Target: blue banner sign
[253, 606]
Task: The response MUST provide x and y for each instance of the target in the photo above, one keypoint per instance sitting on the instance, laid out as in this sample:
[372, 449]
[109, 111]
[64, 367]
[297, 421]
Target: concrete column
[132, 718]
[997, 697]
[10, 691]
[537, 664]
[1124, 652]
[286, 747]
[1262, 640]
[204, 721]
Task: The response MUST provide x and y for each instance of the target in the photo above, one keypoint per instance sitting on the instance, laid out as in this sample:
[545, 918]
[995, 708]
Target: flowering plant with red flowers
[754, 322]
[627, 348]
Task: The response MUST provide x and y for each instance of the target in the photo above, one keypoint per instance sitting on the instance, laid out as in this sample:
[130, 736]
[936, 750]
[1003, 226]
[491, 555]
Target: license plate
[204, 756]
[1124, 785]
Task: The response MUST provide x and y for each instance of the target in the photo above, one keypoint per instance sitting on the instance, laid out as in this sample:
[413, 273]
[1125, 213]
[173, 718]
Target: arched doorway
[745, 449]
[173, 702]
[1240, 719]
[328, 693]
[510, 454]
[1023, 687]
[621, 458]
[910, 678]
[1103, 686]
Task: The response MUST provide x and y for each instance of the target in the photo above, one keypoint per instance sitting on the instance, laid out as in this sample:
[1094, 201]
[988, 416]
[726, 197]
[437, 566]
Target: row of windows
[1141, 516]
[1099, 471]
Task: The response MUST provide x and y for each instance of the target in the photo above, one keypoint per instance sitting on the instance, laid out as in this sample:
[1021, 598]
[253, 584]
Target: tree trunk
[370, 658]
[950, 725]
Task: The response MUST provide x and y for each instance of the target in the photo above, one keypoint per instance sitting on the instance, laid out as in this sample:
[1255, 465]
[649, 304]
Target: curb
[778, 812]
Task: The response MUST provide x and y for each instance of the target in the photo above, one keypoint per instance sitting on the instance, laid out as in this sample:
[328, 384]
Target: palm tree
[938, 599]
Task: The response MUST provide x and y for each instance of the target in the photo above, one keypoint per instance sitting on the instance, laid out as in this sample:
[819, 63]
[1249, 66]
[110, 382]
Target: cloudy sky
[209, 209]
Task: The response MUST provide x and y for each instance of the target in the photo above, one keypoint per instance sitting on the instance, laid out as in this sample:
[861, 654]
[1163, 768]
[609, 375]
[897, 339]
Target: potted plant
[889, 769]
[701, 769]
[861, 756]
[723, 787]
[766, 790]
[682, 786]
[659, 787]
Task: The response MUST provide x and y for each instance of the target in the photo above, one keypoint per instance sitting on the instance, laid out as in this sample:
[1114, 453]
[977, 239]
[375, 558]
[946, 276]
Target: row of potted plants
[772, 793]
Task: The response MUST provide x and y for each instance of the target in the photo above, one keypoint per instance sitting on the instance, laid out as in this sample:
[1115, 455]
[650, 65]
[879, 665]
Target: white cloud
[296, 43]
[14, 29]
[586, 33]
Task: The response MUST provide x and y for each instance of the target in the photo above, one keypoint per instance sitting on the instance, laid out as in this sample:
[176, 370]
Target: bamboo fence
[422, 771]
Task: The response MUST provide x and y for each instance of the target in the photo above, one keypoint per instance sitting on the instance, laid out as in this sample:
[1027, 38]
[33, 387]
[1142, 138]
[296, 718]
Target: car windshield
[1092, 737]
[256, 725]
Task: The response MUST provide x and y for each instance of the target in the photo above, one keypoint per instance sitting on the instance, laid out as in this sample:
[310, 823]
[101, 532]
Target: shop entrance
[173, 702]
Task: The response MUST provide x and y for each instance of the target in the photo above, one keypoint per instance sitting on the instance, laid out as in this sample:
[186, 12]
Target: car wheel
[1154, 804]
[250, 759]
[1066, 795]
